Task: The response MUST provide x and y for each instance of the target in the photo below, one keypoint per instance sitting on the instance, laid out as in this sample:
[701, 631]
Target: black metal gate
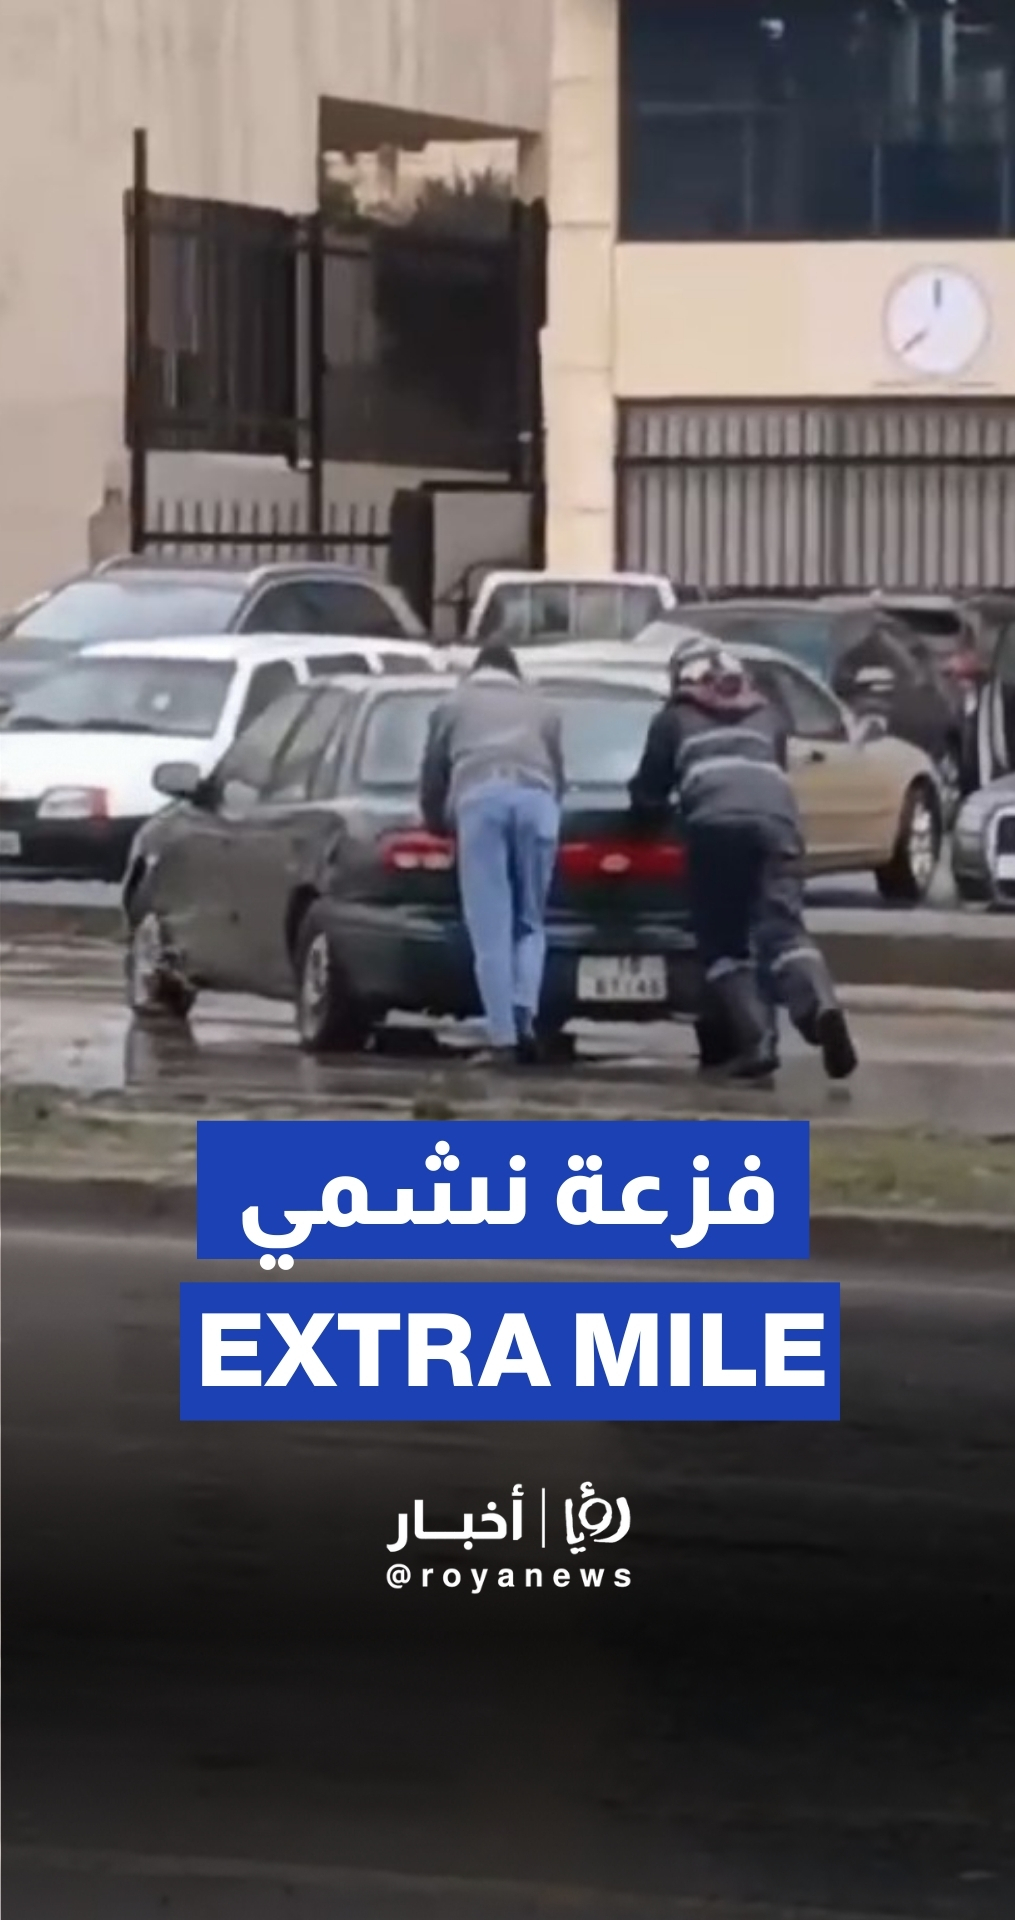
[251, 331]
[795, 498]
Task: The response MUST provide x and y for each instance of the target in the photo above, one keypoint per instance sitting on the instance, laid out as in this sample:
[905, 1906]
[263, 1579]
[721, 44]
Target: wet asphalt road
[65, 1024]
[215, 1707]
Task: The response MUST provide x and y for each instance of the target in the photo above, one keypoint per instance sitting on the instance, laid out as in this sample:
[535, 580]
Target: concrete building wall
[715, 322]
[230, 91]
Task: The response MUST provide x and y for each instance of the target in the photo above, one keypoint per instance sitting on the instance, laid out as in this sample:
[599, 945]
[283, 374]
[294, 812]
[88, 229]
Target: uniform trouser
[745, 883]
[507, 847]
[791, 969]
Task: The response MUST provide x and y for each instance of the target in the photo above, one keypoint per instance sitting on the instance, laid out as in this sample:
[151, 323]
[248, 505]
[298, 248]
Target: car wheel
[973, 893]
[155, 985]
[909, 874]
[327, 1019]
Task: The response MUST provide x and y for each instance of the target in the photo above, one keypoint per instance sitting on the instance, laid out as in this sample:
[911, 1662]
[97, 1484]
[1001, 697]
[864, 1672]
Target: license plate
[633, 978]
[1006, 866]
[10, 846]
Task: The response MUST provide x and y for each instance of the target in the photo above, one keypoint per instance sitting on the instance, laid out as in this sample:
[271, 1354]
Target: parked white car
[79, 749]
[538, 608]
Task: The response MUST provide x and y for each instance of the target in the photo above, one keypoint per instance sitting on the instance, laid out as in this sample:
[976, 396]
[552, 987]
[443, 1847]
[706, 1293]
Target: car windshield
[530, 612]
[603, 735]
[127, 696]
[807, 637]
[126, 607]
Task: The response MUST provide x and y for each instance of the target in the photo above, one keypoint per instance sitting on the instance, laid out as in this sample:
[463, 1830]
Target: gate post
[139, 328]
[316, 356]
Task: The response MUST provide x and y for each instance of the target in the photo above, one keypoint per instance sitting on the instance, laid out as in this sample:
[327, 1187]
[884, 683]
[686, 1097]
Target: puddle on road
[89, 1046]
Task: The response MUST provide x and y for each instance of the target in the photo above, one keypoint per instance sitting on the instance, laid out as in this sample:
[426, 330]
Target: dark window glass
[324, 606]
[391, 752]
[245, 770]
[327, 664]
[870, 669]
[293, 773]
[405, 663]
[129, 607]
[813, 715]
[603, 735]
[556, 610]
[817, 118]
[267, 684]
[807, 637]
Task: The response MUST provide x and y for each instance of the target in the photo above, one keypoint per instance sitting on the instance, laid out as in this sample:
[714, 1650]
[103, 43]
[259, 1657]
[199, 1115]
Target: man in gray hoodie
[493, 773]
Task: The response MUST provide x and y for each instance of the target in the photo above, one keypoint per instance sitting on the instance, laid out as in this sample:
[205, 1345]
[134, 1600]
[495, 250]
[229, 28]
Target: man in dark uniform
[722, 749]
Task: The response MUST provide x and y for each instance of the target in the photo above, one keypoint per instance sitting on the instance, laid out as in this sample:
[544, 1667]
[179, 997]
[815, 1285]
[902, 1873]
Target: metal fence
[252, 331]
[796, 497]
[254, 531]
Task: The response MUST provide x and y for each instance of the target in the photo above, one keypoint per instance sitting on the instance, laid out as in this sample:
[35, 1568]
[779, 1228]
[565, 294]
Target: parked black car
[877, 663]
[143, 599]
[983, 844]
[299, 869]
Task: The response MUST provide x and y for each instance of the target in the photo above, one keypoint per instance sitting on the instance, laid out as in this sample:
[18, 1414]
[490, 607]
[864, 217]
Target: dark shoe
[835, 1041]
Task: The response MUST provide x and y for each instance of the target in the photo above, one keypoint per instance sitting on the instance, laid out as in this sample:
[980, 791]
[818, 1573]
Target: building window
[817, 119]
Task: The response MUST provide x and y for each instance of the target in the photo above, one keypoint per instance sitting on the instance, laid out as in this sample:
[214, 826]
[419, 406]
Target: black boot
[814, 1009]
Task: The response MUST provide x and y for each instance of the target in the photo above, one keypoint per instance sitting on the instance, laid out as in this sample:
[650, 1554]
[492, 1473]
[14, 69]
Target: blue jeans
[507, 846]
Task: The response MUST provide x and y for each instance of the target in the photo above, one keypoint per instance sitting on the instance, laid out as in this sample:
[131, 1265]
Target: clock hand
[908, 345]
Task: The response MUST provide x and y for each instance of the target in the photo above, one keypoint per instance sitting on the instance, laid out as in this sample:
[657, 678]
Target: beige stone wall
[578, 348]
[230, 92]
[794, 321]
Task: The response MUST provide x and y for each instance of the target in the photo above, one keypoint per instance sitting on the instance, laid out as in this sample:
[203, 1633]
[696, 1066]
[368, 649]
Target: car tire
[951, 779]
[328, 1020]
[972, 893]
[907, 877]
[156, 988]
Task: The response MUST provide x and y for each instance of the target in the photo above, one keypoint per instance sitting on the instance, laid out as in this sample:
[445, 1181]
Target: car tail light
[622, 860]
[418, 852]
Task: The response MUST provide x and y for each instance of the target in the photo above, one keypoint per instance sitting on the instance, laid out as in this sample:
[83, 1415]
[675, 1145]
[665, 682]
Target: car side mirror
[871, 726]
[182, 780]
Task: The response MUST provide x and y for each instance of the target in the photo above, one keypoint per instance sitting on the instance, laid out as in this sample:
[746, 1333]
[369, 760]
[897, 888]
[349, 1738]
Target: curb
[21, 920]
[968, 963]
[953, 1242]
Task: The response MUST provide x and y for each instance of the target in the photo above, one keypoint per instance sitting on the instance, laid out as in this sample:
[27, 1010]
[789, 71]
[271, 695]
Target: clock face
[937, 320]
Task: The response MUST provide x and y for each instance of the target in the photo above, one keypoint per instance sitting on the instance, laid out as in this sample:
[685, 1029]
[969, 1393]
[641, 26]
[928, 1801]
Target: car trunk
[606, 871]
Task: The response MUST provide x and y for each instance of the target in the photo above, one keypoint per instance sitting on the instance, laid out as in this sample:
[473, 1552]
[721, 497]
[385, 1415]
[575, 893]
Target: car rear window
[603, 736]
[534, 612]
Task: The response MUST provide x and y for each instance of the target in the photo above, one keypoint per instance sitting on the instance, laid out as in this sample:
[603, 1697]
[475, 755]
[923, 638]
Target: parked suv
[150, 599]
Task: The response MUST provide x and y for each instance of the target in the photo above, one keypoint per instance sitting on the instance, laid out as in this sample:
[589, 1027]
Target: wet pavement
[65, 1025]
[215, 1707]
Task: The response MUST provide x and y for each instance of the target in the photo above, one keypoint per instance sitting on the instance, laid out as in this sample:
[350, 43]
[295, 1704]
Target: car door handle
[817, 754]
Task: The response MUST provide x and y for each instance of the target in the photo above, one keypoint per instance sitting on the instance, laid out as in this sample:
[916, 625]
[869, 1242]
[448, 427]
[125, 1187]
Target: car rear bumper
[420, 963]
[32, 849]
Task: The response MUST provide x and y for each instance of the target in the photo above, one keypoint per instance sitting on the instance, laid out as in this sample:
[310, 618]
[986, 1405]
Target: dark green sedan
[299, 870]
